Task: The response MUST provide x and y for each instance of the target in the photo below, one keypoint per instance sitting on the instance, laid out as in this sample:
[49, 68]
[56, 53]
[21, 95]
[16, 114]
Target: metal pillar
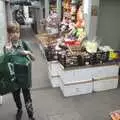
[59, 7]
[87, 15]
[47, 8]
[41, 10]
[38, 19]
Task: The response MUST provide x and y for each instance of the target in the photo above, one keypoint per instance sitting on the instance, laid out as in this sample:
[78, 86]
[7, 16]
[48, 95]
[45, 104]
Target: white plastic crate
[88, 79]
[54, 68]
[76, 88]
[105, 84]
[76, 75]
[105, 71]
[55, 81]
[87, 73]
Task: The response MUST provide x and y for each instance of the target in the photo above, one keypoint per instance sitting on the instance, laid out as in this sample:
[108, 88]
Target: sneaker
[19, 114]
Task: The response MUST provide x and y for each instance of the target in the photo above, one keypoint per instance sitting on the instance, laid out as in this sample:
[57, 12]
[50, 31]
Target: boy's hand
[26, 52]
[30, 54]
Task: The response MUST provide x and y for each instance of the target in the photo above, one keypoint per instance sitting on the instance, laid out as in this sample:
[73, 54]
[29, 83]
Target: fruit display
[114, 56]
[70, 60]
[91, 46]
[72, 48]
[77, 30]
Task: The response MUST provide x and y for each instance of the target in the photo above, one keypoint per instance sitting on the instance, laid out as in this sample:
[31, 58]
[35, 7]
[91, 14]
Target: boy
[16, 46]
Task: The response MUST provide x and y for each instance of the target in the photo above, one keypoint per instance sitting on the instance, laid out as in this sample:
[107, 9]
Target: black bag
[19, 17]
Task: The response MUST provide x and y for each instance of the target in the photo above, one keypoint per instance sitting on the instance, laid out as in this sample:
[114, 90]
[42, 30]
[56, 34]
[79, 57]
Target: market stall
[78, 65]
[83, 74]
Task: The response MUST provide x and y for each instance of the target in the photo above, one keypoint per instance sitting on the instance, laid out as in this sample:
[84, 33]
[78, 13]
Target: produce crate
[78, 58]
[114, 56]
[96, 58]
[51, 53]
[71, 60]
[102, 57]
[47, 39]
[75, 50]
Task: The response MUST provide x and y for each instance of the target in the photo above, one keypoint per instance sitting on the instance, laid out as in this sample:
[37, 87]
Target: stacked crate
[84, 80]
[53, 69]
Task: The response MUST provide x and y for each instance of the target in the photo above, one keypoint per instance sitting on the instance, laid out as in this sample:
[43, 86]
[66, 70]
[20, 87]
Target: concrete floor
[49, 103]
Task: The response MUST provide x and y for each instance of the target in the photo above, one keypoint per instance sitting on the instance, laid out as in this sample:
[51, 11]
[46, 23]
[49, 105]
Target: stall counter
[83, 79]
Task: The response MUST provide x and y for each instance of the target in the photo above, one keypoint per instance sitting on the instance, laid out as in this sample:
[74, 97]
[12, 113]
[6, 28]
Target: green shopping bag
[7, 76]
[22, 69]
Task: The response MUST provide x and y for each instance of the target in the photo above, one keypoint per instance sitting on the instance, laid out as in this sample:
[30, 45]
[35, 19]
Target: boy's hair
[13, 27]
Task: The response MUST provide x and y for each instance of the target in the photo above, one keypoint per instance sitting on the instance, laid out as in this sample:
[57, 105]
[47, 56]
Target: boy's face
[14, 36]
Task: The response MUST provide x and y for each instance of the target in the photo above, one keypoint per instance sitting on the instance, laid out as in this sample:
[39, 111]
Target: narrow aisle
[39, 69]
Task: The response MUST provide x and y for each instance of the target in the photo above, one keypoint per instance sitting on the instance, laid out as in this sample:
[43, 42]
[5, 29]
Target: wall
[3, 34]
[109, 23]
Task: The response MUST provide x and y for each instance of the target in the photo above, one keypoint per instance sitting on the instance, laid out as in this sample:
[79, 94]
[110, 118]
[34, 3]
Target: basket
[96, 58]
[50, 53]
[71, 60]
[75, 50]
[47, 39]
